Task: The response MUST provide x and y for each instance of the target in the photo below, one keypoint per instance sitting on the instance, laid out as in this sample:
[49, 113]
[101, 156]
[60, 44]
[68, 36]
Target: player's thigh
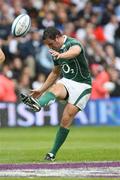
[68, 115]
[78, 93]
[59, 90]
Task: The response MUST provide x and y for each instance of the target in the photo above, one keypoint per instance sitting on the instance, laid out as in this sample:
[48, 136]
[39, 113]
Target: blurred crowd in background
[95, 23]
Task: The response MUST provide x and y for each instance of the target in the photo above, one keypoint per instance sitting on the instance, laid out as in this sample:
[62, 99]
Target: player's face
[53, 44]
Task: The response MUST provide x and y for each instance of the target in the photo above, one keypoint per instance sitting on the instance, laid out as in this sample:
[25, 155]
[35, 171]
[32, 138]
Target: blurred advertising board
[99, 112]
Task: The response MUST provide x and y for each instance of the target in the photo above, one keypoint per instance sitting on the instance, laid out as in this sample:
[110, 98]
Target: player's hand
[35, 93]
[55, 53]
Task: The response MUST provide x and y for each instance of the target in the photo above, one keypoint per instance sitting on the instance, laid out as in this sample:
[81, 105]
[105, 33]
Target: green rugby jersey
[75, 69]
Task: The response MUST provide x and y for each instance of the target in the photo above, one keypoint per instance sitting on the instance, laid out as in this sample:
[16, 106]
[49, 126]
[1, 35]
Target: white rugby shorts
[79, 93]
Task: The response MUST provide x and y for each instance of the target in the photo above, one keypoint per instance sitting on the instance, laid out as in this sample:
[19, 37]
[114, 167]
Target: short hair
[51, 33]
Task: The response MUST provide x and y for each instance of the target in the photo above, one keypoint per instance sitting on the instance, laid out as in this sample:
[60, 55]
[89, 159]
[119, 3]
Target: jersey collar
[65, 38]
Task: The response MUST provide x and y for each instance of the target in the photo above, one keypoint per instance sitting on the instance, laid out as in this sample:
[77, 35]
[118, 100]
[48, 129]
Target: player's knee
[56, 89]
[66, 121]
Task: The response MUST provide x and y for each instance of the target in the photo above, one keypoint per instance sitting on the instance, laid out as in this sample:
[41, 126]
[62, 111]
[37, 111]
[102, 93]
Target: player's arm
[71, 53]
[53, 76]
[2, 56]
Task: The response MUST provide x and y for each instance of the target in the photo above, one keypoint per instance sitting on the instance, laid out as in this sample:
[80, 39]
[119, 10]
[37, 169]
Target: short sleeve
[74, 42]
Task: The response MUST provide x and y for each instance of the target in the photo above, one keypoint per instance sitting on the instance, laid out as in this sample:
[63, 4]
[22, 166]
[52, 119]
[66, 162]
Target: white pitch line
[79, 172]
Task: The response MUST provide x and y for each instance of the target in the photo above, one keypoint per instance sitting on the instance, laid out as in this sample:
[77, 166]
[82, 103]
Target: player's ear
[57, 38]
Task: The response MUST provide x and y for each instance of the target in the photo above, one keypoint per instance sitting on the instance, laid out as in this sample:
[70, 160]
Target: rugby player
[74, 86]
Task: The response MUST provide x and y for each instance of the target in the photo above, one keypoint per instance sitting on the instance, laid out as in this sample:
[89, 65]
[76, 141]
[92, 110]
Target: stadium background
[95, 23]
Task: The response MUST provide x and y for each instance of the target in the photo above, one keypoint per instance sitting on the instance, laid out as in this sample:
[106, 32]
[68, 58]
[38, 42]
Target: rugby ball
[21, 25]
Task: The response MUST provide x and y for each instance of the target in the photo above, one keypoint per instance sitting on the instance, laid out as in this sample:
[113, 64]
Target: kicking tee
[76, 68]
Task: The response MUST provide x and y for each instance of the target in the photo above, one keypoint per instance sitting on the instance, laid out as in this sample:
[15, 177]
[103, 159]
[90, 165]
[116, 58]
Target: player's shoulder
[71, 39]
[73, 42]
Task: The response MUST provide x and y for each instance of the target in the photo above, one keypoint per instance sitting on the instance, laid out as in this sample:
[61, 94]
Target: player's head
[52, 37]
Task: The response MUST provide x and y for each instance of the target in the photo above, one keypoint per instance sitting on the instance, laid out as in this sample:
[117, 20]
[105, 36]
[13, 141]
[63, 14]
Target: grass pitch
[22, 145]
[29, 145]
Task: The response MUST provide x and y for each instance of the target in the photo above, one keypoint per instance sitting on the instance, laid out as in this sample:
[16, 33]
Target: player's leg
[78, 97]
[68, 115]
[57, 91]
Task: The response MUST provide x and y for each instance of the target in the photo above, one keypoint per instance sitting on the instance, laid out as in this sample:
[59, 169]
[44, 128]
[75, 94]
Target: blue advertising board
[98, 112]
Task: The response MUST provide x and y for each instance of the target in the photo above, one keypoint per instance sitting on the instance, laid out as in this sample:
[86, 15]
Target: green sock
[46, 99]
[59, 140]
